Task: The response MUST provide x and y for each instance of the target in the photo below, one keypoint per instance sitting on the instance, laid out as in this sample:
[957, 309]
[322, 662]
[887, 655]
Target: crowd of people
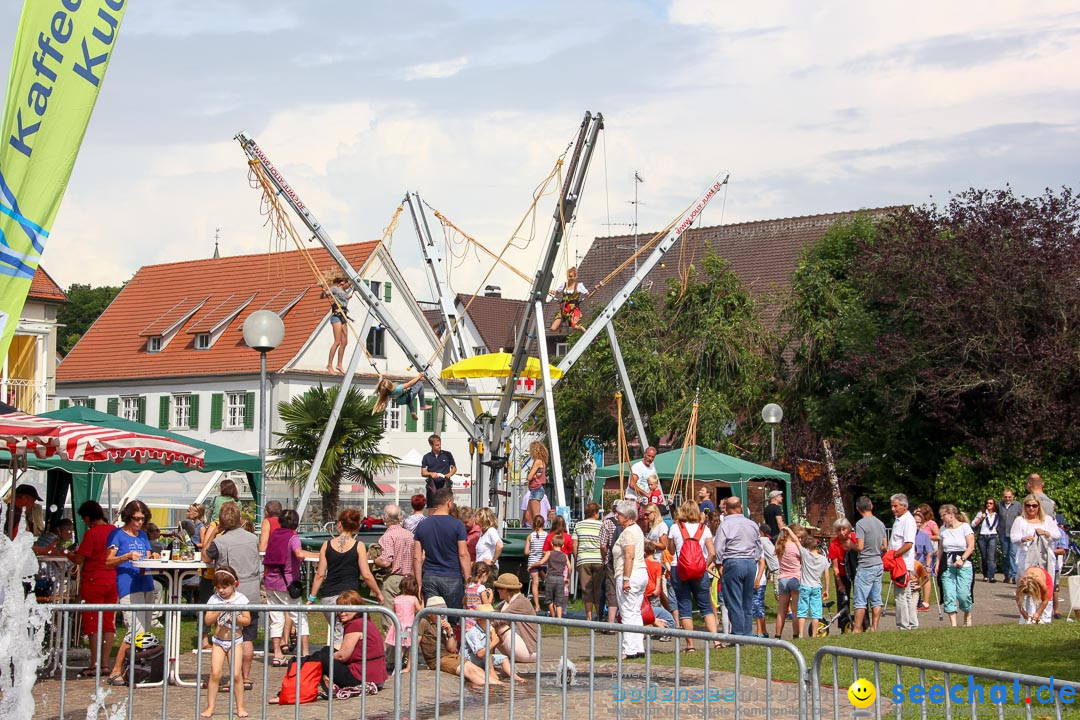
[640, 564]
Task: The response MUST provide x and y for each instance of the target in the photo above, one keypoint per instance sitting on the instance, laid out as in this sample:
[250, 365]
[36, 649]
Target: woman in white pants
[1030, 525]
[631, 577]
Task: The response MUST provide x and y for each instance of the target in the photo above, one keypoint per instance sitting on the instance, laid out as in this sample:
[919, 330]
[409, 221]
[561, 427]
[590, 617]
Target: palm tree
[353, 453]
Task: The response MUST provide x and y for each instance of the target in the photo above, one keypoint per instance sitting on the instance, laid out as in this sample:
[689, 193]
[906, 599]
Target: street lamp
[263, 331]
[772, 414]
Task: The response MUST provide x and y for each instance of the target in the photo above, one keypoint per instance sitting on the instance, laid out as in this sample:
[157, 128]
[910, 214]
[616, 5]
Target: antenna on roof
[217, 236]
[637, 181]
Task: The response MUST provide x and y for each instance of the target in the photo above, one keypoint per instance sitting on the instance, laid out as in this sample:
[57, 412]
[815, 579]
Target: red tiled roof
[158, 295]
[43, 287]
[763, 254]
[496, 319]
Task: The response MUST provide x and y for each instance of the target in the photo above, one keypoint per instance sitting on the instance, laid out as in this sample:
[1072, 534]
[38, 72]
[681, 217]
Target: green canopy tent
[710, 466]
[88, 479]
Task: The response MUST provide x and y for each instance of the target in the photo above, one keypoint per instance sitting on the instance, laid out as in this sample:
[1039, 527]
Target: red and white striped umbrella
[45, 437]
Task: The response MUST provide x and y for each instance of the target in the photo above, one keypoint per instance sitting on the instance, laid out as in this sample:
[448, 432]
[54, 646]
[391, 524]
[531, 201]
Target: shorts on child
[537, 494]
[758, 608]
[555, 590]
[788, 585]
[809, 602]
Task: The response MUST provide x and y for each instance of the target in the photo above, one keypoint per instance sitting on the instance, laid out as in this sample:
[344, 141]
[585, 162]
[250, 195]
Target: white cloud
[812, 108]
[437, 70]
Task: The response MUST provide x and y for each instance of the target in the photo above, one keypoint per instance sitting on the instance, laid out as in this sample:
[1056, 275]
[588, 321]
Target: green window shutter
[193, 423]
[386, 291]
[410, 421]
[163, 413]
[113, 406]
[429, 417]
[92, 403]
[443, 427]
[141, 417]
[249, 411]
[64, 403]
[217, 400]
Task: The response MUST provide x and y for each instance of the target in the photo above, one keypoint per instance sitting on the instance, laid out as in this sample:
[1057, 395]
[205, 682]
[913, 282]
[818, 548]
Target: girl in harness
[401, 394]
[570, 294]
[339, 294]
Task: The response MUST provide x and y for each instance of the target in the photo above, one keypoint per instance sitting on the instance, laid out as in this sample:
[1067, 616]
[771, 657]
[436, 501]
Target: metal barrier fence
[1016, 690]
[172, 645]
[705, 702]
[663, 685]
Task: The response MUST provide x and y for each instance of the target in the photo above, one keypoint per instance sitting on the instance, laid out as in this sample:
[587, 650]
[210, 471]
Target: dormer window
[202, 341]
[153, 344]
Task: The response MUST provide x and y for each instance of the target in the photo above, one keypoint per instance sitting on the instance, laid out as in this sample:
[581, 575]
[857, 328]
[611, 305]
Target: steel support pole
[596, 326]
[625, 378]
[549, 405]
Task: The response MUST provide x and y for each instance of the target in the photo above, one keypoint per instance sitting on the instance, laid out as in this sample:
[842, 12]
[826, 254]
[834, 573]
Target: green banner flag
[61, 52]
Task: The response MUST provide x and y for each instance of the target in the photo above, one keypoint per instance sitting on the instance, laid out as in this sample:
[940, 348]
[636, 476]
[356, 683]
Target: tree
[705, 341]
[85, 306]
[353, 453]
[942, 335]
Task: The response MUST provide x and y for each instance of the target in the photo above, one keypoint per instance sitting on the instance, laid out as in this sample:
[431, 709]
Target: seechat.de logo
[861, 693]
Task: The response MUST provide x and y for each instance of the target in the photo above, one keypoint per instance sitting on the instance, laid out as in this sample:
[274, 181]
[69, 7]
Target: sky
[811, 108]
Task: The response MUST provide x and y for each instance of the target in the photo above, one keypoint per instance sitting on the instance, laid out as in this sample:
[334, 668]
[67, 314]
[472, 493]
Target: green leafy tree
[941, 339]
[85, 306]
[704, 341]
[353, 453]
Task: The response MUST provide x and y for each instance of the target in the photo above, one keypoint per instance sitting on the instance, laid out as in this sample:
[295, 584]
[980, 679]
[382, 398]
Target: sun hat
[508, 581]
[27, 489]
[485, 607]
[436, 601]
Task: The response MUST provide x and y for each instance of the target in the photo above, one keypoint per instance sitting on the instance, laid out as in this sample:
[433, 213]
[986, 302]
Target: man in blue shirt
[703, 501]
[441, 554]
[437, 467]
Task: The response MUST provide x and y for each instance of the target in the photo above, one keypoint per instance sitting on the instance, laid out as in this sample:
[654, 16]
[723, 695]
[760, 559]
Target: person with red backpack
[691, 543]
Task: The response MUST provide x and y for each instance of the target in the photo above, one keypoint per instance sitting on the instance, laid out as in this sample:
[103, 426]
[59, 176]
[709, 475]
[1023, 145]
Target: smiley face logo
[862, 693]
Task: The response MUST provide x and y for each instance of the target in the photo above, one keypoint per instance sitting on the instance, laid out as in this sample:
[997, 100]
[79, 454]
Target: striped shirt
[536, 546]
[587, 540]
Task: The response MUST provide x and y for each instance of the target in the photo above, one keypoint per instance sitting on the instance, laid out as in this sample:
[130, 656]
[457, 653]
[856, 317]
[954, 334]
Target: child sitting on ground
[481, 648]
[555, 582]
[814, 565]
[227, 635]
[401, 394]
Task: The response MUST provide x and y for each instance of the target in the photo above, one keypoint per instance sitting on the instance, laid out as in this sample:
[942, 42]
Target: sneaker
[664, 638]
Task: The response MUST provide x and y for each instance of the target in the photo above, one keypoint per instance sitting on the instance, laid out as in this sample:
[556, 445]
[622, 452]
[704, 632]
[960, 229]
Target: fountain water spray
[22, 625]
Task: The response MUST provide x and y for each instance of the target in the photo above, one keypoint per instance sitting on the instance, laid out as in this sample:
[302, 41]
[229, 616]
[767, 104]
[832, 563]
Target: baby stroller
[842, 618]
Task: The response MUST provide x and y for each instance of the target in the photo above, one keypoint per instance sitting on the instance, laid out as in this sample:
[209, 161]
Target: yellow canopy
[495, 365]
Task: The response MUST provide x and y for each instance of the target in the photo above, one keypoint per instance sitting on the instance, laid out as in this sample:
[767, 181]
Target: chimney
[493, 291]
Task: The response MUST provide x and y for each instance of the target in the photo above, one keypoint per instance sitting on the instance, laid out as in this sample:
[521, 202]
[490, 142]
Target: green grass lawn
[1044, 650]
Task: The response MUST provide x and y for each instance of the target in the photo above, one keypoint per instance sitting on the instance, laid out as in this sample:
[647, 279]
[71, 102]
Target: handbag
[295, 588]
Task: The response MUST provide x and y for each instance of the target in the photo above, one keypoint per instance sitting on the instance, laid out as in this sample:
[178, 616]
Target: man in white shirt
[640, 472]
[902, 542]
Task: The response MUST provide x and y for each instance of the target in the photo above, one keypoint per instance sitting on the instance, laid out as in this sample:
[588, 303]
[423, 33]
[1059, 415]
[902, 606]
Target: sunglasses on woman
[1031, 505]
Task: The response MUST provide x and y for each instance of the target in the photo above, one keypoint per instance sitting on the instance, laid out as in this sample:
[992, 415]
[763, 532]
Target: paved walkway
[994, 604]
